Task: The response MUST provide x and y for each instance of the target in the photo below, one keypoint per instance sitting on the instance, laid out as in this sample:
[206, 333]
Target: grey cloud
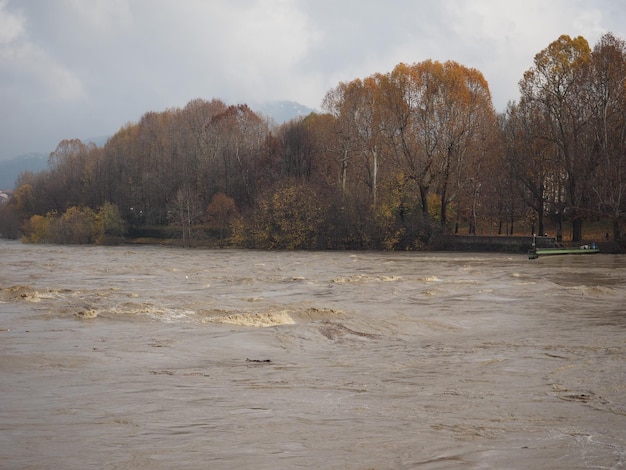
[76, 68]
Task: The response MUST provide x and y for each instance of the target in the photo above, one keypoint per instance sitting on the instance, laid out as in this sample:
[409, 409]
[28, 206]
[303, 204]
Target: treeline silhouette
[395, 160]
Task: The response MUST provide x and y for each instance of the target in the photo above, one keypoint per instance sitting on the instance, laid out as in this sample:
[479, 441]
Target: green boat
[583, 250]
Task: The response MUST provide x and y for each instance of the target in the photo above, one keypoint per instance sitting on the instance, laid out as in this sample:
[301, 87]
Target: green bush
[77, 225]
[112, 226]
[37, 229]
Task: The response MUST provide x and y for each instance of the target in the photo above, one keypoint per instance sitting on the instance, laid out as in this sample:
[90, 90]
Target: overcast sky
[84, 68]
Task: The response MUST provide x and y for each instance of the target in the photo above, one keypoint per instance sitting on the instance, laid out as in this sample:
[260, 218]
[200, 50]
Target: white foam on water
[429, 279]
[361, 278]
[259, 320]
[87, 314]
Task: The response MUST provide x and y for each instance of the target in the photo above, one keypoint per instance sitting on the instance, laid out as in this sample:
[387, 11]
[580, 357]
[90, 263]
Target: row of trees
[566, 137]
[394, 160]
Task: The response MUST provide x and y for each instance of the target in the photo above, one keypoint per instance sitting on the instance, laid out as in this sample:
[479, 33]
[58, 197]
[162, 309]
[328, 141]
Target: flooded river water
[158, 358]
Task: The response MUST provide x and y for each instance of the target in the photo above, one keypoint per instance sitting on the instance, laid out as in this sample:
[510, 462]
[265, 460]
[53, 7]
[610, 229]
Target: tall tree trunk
[424, 198]
[577, 230]
[617, 231]
[344, 172]
[444, 210]
[374, 179]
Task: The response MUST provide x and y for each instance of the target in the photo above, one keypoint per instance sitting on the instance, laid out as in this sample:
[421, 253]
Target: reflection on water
[148, 357]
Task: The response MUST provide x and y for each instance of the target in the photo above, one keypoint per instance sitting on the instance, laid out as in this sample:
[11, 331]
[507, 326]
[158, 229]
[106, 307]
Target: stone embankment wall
[499, 243]
[491, 243]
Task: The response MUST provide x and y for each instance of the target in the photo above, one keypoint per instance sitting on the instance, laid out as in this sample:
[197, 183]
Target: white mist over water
[151, 357]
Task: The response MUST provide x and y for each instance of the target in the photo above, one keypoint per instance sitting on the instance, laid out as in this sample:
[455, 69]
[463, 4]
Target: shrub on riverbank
[77, 225]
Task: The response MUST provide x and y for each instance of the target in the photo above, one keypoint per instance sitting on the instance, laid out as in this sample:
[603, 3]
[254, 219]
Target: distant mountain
[11, 169]
[282, 111]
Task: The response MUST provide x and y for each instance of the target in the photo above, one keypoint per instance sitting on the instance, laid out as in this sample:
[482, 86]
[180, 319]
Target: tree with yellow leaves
[557, 85]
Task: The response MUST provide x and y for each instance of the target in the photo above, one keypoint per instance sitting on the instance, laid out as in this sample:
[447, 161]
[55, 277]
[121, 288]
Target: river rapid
[147, 357]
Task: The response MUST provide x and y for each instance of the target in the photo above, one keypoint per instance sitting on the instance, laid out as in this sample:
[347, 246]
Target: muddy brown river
[147, 357]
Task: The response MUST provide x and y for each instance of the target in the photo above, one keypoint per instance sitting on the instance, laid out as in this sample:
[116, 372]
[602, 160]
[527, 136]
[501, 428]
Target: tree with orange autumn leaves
[572, 113]
[431, 125]
[395, 160]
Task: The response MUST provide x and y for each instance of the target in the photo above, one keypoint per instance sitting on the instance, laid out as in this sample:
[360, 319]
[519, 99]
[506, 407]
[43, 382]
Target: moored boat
[534, 253]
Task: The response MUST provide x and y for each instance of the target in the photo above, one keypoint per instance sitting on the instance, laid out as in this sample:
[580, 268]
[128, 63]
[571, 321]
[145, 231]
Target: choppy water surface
[158, 358]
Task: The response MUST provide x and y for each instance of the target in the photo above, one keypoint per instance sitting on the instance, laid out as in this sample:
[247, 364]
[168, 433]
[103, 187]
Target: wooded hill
[395, 159]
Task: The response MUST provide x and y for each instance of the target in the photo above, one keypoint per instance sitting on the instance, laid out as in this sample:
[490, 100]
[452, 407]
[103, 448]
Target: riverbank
[461, 243]
[512, 244]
